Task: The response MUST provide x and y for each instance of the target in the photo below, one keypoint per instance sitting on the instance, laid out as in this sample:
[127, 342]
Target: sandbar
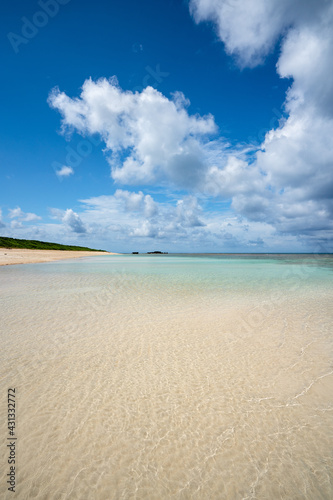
[10, 256]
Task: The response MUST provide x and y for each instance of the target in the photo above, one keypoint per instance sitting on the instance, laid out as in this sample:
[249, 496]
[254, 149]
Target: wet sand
[10, 256]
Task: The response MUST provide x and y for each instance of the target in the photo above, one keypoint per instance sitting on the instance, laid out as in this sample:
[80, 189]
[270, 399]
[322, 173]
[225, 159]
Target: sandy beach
[10, 256]
[171, 377]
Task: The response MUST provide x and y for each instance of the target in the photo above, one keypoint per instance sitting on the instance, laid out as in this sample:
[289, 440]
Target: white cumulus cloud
[70, 218]
[64, 171]
[250, 28]
[137, 202]
[74, 221]
[149, 137]
[17, 213]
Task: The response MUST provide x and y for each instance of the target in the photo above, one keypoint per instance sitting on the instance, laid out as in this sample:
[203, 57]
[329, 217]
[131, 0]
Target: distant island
[41, 245]
[156, 251]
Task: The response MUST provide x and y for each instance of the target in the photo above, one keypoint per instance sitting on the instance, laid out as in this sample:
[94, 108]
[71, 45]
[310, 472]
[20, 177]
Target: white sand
[148, 385]
[27, 256]
[183, 380]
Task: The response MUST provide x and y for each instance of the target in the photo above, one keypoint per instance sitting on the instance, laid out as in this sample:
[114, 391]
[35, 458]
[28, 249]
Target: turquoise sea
[180, 376]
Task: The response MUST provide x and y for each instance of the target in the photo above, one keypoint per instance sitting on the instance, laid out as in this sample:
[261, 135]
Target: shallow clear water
[170, 376]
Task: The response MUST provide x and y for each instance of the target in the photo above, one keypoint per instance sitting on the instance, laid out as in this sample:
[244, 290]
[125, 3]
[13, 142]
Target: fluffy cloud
[137, 202]
[64, 171]
[250, 28]
[17, 213]
[150, 137]
[235, 177]
[146, 230]
[188, 211]
[71, 220]
[74, 222]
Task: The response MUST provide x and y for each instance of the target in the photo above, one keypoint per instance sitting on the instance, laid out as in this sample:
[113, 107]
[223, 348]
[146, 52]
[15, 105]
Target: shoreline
[12, 256]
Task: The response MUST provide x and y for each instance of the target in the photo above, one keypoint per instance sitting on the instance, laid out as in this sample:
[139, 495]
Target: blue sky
[199, 125]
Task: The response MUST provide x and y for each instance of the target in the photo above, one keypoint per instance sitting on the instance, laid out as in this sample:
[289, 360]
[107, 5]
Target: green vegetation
[41, 245]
